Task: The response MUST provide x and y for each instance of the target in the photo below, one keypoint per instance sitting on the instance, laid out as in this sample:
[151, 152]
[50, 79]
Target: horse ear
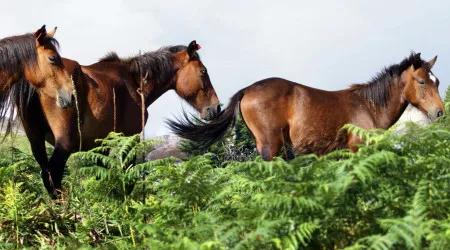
[192, 48]
[432, 61]
[40, 35]
[51, 33]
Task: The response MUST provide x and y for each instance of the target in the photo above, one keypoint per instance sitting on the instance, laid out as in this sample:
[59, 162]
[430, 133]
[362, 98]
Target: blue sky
[324, 44]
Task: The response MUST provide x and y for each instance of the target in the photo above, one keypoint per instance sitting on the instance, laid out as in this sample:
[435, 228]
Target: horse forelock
[55, 43]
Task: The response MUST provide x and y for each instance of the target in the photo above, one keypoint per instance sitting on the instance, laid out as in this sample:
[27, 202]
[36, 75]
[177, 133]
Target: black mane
[158, 64]
[110, 57]
[377, 90]
[15, 102]
[17, 52]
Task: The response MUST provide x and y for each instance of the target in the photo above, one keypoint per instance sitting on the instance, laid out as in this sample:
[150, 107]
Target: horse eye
[203, 72]
[421, 82]
[52, 59]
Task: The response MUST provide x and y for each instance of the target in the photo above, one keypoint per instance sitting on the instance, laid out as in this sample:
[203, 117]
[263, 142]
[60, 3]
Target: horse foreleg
[268, 148]
[40, 154]
[35, 127]
[57, 164]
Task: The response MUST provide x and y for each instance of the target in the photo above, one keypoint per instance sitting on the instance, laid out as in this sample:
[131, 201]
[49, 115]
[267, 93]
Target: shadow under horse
[278, 111]
[109, 99]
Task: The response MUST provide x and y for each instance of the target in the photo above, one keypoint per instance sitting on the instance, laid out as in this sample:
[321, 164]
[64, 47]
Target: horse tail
[206, 133]
[14, 104]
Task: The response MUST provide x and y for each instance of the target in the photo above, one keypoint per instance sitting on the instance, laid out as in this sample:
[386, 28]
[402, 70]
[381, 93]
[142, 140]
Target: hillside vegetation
[392, 194]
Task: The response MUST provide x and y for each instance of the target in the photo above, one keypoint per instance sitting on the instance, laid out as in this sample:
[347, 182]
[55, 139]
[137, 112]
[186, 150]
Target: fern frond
[96, 159]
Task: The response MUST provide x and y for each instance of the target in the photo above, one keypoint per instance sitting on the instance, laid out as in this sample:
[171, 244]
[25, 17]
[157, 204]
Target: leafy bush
[392, 194]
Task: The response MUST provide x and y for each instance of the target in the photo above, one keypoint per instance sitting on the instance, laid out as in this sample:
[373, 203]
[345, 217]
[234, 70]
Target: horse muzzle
[433, 114]
[64, 99]
[211, 112]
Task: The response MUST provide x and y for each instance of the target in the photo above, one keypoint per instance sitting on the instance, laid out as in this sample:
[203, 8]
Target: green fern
[394, 193]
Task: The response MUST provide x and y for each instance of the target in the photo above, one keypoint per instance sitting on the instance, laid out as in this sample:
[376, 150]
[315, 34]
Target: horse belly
[316, 143]
[316, 132]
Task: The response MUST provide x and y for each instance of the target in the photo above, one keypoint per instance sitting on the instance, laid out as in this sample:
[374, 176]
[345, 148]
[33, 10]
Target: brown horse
[34, 57]
[277, 110]
[176, 67]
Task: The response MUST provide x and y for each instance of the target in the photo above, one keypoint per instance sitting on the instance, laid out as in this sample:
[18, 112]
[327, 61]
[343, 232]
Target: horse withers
[310, 120]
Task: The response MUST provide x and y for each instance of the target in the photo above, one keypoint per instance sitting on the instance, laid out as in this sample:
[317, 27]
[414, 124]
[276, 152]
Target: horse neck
[156, 87]
[386, 116]
[153, 90]
[156, 93]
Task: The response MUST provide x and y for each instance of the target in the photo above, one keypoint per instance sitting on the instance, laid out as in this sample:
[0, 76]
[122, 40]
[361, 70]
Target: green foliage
[237, 145]
[447, 95]
[392, 194]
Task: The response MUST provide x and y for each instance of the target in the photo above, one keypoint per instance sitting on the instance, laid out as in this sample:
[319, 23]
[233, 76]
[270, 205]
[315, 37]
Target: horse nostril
[440, 113]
